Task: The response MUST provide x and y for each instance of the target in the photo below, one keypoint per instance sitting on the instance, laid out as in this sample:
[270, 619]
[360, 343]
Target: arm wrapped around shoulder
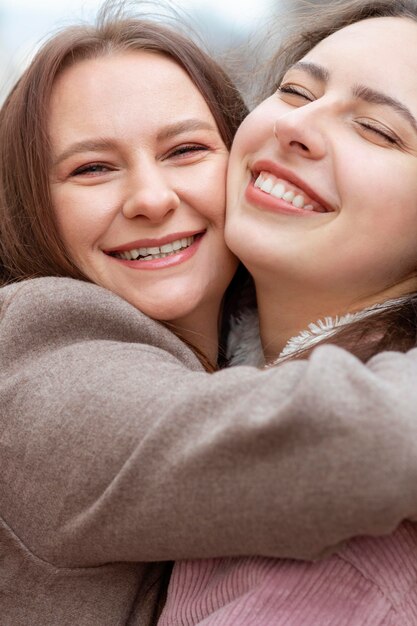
[115, 445]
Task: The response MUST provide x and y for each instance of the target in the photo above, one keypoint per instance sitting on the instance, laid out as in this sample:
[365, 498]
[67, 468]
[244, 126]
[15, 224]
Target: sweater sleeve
[116, 446]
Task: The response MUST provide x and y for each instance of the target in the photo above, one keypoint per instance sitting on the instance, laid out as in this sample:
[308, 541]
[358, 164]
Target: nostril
[298, 144]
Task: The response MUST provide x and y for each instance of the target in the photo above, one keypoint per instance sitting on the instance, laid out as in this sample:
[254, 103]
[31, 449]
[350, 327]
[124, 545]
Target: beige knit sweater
[118, 454]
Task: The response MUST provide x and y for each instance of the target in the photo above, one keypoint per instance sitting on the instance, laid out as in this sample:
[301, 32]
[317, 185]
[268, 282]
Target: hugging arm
[116, 446]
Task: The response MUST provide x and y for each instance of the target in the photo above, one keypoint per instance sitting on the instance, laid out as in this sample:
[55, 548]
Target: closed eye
[380, 132]
[295, 90]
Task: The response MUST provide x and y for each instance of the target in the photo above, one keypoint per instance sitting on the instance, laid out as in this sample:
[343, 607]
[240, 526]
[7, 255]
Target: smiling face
[138, 185]
[322, 201]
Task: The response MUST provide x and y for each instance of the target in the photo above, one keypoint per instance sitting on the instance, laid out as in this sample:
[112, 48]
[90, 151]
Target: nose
[149, 195]
[302, 131]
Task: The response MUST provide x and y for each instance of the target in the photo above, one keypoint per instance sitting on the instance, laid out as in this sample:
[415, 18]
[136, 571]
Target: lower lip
[165, 262]
[265, 201]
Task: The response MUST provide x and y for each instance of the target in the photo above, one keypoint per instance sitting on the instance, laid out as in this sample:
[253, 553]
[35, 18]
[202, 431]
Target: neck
[284, 314]
[281, 318]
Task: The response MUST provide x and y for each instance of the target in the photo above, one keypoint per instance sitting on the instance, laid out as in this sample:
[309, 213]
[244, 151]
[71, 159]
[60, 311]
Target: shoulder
[56, 310]
[53, 301]
[51, 291]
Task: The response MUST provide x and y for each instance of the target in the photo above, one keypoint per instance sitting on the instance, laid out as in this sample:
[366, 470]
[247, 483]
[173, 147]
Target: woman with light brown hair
[119, 451]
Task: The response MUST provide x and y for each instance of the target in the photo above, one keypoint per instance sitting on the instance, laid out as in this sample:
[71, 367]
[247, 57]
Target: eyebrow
[96, 145]
[377, 97]
[182, 127]
[360, 92]
[317, 71]
[89, 145]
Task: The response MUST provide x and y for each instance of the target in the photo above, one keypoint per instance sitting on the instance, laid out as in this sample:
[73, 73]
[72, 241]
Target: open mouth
[287, 192]
[157, 252]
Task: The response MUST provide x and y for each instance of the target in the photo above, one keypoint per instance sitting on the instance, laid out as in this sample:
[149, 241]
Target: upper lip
[150, 243]
[282, 172]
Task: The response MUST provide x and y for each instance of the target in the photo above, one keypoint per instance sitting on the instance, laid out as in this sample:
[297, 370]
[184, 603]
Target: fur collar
[244, 343]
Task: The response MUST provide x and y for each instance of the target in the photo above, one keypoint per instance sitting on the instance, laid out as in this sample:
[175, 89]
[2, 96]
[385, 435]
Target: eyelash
[184, 149]
[290, 89]
[90, 168]
[394, 141]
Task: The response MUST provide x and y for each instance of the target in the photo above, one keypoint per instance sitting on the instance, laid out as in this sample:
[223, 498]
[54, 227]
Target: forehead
[131, 87]
[123, 69]
[377, 49]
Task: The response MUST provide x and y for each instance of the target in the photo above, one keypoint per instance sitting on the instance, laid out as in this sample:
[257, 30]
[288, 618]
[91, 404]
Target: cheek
[387, 213]
[65, 215]
[400, 236]
[257, 128]
[215, 211]
[378, 207]
[209, 198]
[254, 134]
[81, 216]
[377, 248]
[248, 137]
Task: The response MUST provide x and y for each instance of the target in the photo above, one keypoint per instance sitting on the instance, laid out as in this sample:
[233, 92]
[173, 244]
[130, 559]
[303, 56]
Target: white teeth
[288, 196]
[267, 185]
[258, 181]
[270, 185]
[278, 190]
[156, 252]
[298, 202]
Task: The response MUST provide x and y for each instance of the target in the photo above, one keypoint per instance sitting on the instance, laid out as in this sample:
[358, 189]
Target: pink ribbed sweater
[370, 582]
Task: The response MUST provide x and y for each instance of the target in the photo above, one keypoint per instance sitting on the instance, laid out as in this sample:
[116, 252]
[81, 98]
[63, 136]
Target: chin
[166, 310]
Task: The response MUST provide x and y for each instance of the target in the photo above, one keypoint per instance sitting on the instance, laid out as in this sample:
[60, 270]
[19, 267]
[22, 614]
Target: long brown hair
[393, 327]
[29, 241]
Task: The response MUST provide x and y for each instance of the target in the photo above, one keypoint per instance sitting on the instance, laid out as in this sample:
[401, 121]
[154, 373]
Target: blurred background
[223, 25]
